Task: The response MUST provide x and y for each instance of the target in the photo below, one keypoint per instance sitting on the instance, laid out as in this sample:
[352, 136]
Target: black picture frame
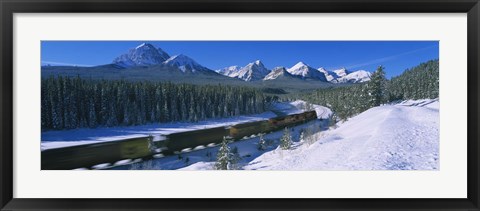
[10, 7]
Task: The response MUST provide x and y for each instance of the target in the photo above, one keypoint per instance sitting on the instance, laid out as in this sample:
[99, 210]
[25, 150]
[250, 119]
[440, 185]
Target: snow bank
[404, 136]
[200, 166]
[429, 103]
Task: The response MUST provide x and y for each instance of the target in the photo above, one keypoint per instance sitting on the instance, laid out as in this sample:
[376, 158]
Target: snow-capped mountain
[306, 72]
[277, 73]
[227, 71]
[143, 55]
[252, 72]
[185, 63]
[341, 72]
[329, 75]
[148, 55]
[344, 76]
[358, 76]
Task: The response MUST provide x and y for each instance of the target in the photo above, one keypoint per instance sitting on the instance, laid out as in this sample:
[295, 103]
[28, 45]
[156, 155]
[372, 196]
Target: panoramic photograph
[240, 105]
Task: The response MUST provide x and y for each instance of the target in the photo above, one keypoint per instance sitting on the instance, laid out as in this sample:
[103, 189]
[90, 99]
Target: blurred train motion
[88, 155]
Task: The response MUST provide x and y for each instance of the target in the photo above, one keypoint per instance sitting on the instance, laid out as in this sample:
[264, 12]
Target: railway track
[89, 155]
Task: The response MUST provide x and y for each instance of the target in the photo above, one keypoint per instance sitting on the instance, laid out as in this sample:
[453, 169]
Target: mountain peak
[144, 45]
[258, 62]
[277, 72]
[253, 71]
[143, 55]
[306, 72]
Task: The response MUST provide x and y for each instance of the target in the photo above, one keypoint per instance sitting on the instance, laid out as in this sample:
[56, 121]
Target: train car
[88, 155]
[190, 139]
[294, 119]
[310, 115]
[246, 129]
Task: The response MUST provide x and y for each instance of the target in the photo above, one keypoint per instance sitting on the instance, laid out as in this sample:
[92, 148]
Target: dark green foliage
[223, 156]
[419, 82]
[227, 159]
[344, 101]
[286, 139]
[376, 88]
[69, 103]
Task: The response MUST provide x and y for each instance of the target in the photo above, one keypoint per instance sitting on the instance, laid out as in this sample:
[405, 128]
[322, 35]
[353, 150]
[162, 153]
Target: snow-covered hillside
[404, 136]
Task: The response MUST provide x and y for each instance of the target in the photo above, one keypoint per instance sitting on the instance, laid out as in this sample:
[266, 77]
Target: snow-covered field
[402, 136]
[64, 138]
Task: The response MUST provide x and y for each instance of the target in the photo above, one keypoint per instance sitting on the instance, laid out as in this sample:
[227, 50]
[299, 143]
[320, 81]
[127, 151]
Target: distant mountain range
[149, 63]
[148, 55]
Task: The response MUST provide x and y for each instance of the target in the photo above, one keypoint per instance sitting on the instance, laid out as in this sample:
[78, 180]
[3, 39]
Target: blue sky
[395, 56]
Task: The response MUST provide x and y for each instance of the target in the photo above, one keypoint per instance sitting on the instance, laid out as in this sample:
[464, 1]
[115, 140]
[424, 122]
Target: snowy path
[391, 137]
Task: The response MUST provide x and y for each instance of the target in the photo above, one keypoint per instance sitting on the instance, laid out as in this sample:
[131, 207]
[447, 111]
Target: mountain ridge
[147, 55]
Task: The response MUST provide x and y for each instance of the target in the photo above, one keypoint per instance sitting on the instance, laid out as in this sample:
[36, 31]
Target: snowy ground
[64, 138]
[402, 136]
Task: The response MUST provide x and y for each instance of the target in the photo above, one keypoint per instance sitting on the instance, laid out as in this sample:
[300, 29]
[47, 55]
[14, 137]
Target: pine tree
[262, 144]
[223, 156]
[286, 140]
[72, 103]
[302, 136]
[376, 87]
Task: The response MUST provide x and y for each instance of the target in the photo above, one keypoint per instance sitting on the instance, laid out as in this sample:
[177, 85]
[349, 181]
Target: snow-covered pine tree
[286, 140]
[262, 144]
[223, 156]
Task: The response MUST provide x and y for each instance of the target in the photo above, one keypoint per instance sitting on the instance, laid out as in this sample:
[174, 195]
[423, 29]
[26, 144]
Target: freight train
[88, 155]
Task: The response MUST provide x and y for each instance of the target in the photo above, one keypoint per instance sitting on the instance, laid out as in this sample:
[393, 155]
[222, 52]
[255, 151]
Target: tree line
[74, 102]
[418, 82]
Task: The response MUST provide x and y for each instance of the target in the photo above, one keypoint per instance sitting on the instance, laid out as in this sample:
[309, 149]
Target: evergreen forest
[73, 102]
